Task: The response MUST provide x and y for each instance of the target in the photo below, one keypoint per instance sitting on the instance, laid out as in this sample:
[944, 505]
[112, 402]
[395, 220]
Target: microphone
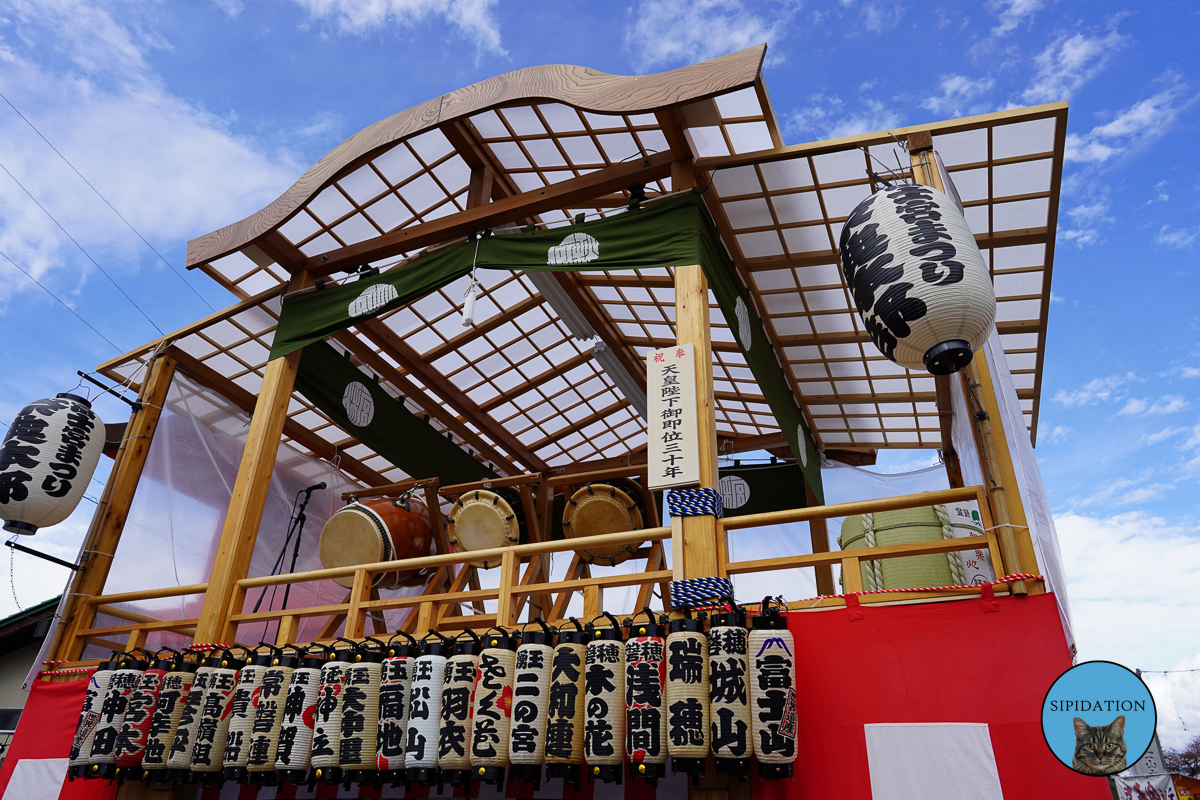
[316, 486]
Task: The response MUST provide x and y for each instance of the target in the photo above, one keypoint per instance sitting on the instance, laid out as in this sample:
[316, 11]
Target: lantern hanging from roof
[46, 460]
[918, 279]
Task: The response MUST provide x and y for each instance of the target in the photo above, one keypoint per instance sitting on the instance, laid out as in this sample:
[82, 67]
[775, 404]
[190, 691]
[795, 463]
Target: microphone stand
[300, 518]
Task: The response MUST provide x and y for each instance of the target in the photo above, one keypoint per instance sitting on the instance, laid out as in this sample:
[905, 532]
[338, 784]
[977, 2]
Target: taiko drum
[381, 529]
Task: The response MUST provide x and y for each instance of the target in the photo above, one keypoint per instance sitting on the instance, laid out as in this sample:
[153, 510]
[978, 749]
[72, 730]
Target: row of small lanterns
[583, 700]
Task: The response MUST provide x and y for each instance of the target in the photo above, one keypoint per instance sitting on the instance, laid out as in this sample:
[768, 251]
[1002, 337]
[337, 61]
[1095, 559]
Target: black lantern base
[393, 777]
[234, 774]
[774, 772]
[180, 776]
[363, 777]
[530, 773]
[738, 767]
[423, 776]
[491, 775]
[648, 772]
[330, 775]
[209, 778]
[296, 776]
[948, 357]
[609, 773]
[260, 778]
[17, 526]
[458, 778]
[568, 773]
[692, 766]
[154, 776]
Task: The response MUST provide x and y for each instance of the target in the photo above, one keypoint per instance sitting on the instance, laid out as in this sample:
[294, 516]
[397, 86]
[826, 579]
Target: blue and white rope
[693, 592]
[695, 503]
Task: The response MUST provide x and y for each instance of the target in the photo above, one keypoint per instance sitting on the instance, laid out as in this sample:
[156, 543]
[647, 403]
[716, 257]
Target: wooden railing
[431, 607]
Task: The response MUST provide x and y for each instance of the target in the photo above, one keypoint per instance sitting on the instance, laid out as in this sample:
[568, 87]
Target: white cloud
[877, 16]
[1136, 126]
[1087, 218]
[1189, 372]
[472, 18]
[829, 117]
[958, 92]
[1158, 436]
[231, 7]
[1123, 492]
[1050, 435]
[1142, 407]
[1178, 238]
[1012, 13]
[1070, 62]
[1131, 578]
[1093, 391]
[669, 32]
[1177, 700]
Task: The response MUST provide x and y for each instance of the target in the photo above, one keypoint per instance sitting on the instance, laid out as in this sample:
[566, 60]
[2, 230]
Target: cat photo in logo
[1098, 718]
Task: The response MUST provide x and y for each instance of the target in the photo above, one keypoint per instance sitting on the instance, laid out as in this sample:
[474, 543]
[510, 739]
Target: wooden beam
[945, 424]
[554, 372]
[487, 326]
[108, 523]
[240, 531]
[565, 194]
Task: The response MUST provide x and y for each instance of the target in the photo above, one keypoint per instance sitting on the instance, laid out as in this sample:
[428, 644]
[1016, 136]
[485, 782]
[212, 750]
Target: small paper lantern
[327, 722]
[103, 756]
[425, 710]
[531, 694]
[293, 753]
[173, 693]
[645, 687]
[728, 692]
[139, 714]
[564, 712]
[243, 708]
[360, 713]
[46, 460]
[89, 717]
[687, 695]
[268, 716]
[213, 727]
[394, 679]
[917, 278]
[458, 693]
[773, 694]
[179, 758]
[604, 691]
[491, 715]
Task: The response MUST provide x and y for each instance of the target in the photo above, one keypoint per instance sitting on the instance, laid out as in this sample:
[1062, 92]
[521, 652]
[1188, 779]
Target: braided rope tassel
[873, 570]
[954, 558]
[695, 503]
[693, 592]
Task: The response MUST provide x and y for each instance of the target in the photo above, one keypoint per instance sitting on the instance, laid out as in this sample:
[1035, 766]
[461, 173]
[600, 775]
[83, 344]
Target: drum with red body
[381, 529]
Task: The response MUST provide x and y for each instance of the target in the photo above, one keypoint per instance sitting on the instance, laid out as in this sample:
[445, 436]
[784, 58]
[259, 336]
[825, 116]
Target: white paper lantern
[531, 694]
[293, 750]
[179, 757]
[47, 458]
[917, 278]
[360, 714]
[773, 694]
[394, 680]
[491, 715]
[425, 711]
[645, 691]
[458, 693]
[139, 716]
[89, 717]
[168, 711]
[243, 709]
[213, 728]
[604, 693]
[564, 712]
[729, 693]
[687, 695]
[103, 756]
[268, 716]
[328, 720]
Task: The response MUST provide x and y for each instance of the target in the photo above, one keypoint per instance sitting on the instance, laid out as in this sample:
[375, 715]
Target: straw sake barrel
[729, 692]
[168, 711]
[293, 752]
[604, 692]
[458, 692]
[394, 677]
[103, 755]
[773, 695]
[213, 726]
[268, 717]
[425, 711]
[903, 526]
[645, 722]
[564, 712]
[131, 740]
[531, 694]
[492, 711]
[89, 716]
[360, 714]
[687, 695]
[179, 757]
[327, 722]
[242, 710]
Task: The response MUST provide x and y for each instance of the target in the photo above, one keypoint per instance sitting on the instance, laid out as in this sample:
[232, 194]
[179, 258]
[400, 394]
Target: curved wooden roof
[578, 87]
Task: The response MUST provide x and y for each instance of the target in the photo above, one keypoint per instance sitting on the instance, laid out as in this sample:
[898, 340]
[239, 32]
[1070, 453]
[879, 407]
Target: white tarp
[932, 761]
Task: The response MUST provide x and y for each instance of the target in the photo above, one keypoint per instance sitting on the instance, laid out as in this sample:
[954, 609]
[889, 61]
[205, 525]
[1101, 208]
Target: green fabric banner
[669, 233]
[362, 408]
[759, 488]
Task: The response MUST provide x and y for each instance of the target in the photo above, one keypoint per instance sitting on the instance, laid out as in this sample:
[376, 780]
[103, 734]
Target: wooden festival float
[450, 335]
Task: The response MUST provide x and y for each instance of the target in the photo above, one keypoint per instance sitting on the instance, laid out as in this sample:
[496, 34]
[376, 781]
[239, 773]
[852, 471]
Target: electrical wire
[85, 252]
[105, 199]
[56, 297]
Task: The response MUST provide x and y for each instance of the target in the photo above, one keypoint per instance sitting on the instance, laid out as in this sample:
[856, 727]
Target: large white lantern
[918, 278]
[46, 461]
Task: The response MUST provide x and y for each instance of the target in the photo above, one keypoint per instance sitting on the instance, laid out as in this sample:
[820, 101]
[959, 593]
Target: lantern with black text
[917, 278]
[102, 760]
[687, 695]
[564, 712]
[293, 752]
[645, 723]
[139, 713]
[394, 677]
[328, 719]
[458, 692]
[208, 746]
[242, 710]
[531, 694]
[46, 460]
[425, 709]
[268, 716]
[179, 757]
[728, 692]
[773, 693]
[604, 697]
[173, 694]
[359, 723]
[491, 714]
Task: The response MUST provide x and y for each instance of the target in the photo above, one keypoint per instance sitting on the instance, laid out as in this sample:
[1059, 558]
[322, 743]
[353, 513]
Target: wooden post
[113, 509]
[819, 533]
[236, 545]
[698, 535]
[1015, 543]
[356, 617]
[505, 617]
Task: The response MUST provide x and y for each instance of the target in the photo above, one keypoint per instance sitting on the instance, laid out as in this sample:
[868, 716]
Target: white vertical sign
[673, 449]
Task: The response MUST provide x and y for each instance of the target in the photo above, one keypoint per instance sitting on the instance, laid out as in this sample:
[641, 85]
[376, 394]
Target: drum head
[353, 535]
[601, 508]
[480, 520]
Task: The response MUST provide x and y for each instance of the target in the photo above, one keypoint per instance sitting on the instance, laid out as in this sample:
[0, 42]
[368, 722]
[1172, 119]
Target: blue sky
[188, 116]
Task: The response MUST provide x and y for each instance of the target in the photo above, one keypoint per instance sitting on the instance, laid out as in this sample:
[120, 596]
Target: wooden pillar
[109, 521]
[236, 545]
[819, 533]
[694, 539]
[1016, 546]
